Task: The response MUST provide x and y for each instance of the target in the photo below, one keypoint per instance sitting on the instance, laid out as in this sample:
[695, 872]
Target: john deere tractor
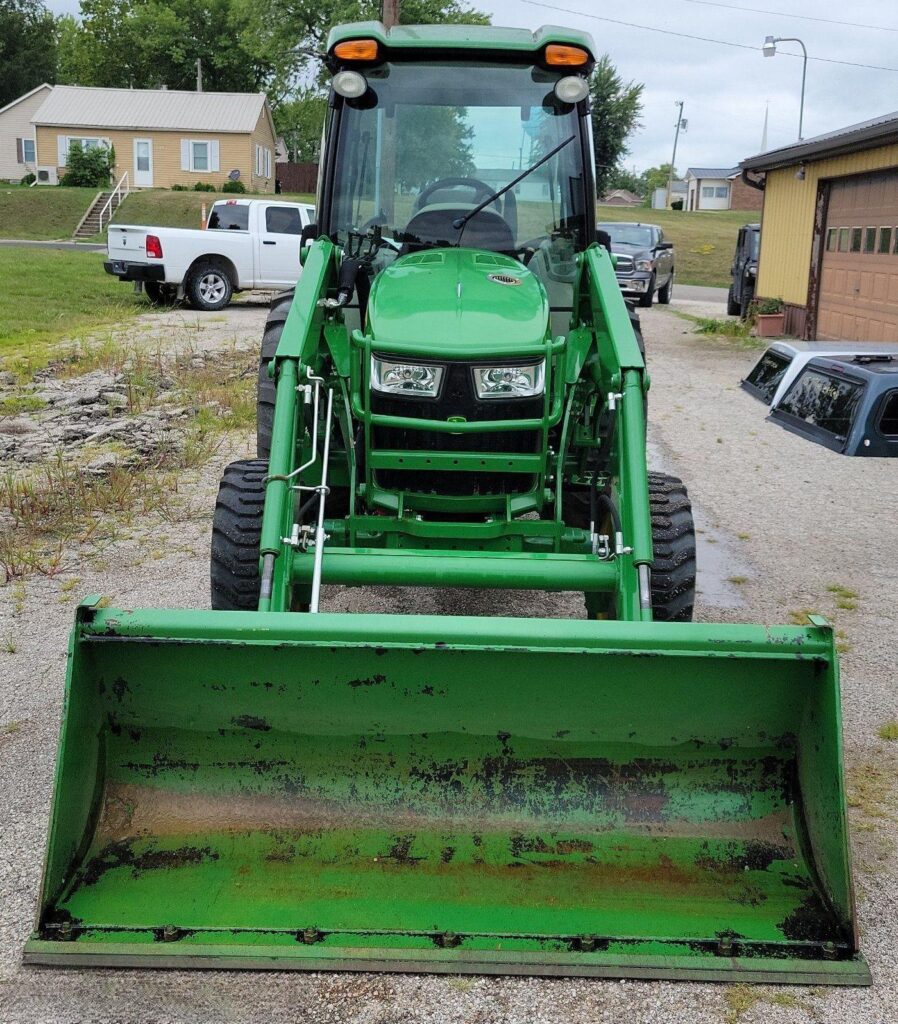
[454, 396]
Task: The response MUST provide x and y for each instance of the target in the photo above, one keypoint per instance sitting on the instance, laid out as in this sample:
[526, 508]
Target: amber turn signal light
[565, 56]
[357, 49]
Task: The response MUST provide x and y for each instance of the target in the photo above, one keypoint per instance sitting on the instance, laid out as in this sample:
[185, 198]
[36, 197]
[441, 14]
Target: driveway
[782, 522]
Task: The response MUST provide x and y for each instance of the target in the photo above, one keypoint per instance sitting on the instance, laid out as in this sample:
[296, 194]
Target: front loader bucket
[450, 794]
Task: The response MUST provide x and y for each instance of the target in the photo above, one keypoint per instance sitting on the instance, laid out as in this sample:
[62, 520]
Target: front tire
[645, 300]
[665, 293]
[209, 287]
[673, 541]
[265, 388]
[236, 535]
[734, 308]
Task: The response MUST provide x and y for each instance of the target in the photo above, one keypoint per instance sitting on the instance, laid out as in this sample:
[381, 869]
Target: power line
[701, 39]
[786, 14]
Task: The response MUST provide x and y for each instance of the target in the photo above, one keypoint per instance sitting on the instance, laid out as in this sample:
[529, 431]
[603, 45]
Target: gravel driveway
[785, 518]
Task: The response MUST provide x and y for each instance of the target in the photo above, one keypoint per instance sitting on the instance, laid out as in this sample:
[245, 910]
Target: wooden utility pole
[390, 13]
[673, 159]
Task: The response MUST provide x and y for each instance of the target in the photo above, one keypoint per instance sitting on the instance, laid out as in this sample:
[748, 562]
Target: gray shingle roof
[148, 109]
[712, 172]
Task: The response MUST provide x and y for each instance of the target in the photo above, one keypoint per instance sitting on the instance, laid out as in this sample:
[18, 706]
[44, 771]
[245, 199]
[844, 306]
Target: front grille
[625, 265]
[457, 398]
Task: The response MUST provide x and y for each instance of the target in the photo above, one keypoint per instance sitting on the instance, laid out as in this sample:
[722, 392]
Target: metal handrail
[119, 191]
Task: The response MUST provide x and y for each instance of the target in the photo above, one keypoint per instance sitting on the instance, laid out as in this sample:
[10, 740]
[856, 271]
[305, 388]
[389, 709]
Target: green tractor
[453, 397]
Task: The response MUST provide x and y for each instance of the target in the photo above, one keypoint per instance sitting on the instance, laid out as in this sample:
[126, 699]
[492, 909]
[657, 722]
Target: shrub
[677, 204]
[203, 186]
[180, 188]
[233, 186]
[87, 168]
[28, 179]
[766, 306]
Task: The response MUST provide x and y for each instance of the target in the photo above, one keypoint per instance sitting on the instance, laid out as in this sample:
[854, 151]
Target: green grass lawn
[51, 294]
[704, 243]
[42, 212]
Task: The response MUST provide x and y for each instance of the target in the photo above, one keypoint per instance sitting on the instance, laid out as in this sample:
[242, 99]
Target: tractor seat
[433, 226]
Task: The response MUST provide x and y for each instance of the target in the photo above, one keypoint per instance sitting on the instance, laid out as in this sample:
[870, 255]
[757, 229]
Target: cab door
[278, 246]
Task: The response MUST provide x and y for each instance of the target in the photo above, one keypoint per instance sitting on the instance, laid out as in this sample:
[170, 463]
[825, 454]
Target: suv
[744, 270]
[645, 262]
[847, 405]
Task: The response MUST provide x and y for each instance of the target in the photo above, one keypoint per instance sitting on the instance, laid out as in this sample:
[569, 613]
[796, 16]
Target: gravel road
[783, 517]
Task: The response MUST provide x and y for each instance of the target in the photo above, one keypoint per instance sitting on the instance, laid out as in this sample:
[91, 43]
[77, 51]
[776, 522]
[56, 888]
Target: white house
[18, 147]
[710, 188]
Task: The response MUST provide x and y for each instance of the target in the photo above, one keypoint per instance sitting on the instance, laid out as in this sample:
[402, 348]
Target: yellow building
[161, 137]
[829, 231]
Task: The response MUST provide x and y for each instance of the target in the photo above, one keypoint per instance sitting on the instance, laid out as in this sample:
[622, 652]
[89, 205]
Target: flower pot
[770, 325]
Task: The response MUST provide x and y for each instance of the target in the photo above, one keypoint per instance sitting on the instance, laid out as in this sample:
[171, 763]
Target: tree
[620, 177]
[278, 31]
[149, 43]
[27, 47]
[616, 109]
[656, 177]
[300, 120]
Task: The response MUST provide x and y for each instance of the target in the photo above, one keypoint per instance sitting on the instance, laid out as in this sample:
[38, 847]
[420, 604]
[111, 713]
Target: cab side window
[888, 418]
[283, 220]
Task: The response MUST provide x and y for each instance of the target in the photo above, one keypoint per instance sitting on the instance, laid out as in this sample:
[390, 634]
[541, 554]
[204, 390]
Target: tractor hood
[456, 302]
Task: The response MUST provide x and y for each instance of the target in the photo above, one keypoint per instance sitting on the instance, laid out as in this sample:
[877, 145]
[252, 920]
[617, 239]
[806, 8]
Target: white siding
[15, 123]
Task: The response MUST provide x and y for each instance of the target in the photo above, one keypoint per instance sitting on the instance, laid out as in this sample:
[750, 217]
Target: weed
[800, 616]
[738, 580]
[889, 731]
[743, 536]
[741, 999]
[869, 789]
[843, 645]
[462, 984]
[10, 728]
[9, 645]
[14, 405]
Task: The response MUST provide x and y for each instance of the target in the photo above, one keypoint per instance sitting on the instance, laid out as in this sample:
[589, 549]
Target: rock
[114, 399]
[7, 378]
[19, 425]
[102, 464]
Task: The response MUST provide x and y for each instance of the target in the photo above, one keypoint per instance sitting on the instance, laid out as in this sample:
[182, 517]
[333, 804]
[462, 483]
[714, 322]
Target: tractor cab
[431, 146]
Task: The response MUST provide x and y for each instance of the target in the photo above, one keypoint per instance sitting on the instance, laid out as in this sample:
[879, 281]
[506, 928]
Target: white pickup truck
[247, 243]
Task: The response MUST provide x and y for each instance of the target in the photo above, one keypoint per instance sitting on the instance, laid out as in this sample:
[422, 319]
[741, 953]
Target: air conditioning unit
[47, 176]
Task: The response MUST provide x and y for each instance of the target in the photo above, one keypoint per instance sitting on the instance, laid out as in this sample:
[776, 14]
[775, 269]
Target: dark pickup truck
[848, 405]
[645, 262]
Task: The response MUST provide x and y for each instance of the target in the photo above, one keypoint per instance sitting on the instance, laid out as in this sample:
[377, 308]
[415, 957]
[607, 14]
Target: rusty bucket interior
[415, 793]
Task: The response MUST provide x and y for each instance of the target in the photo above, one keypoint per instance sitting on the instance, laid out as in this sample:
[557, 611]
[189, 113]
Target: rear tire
[734, 308]
[236, 535]
[665, 293]
[645, 300]
[673, 540]
[266, 389]
[209, 287]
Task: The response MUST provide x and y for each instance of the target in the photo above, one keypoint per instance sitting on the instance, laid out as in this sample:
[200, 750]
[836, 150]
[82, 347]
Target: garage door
[859, 271]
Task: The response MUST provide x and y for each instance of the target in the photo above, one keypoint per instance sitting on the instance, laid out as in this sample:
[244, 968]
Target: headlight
[510, 381]
[405, 378]
[752, 271]
[645, 264]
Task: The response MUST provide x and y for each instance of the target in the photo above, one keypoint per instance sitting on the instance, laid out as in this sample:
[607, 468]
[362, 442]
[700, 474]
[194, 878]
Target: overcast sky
[725, 88]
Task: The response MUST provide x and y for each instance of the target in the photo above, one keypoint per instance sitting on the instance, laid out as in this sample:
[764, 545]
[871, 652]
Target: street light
[769, 50]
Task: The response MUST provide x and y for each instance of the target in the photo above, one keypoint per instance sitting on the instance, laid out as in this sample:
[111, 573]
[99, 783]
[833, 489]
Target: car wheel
[646, 298]
[665, 293]
[209, 287]
[733, 307]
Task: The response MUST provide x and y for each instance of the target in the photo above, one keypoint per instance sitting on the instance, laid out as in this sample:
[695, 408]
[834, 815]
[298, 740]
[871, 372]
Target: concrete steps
[90, 222]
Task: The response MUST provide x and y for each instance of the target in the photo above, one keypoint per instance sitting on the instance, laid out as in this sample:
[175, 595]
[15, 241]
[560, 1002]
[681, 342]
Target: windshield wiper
[461, 222]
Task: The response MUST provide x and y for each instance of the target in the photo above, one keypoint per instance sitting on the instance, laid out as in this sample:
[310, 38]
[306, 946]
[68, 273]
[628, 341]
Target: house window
[263, 162]
[707, 191]
[831, 239]
[199, 156]
[885, 240]
[86, 144]
[856, 239]
[721, 191]
[28, 156]
[869, 239]
[843, 239]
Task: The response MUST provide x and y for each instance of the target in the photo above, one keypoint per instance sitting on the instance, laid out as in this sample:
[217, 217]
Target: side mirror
[308, 235]
[664, 245]
[603, 238]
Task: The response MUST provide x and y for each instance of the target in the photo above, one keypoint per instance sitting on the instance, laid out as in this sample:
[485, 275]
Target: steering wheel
[481, 190]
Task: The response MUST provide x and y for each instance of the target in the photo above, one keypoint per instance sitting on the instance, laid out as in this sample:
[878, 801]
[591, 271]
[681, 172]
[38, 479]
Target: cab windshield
[429, 142]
